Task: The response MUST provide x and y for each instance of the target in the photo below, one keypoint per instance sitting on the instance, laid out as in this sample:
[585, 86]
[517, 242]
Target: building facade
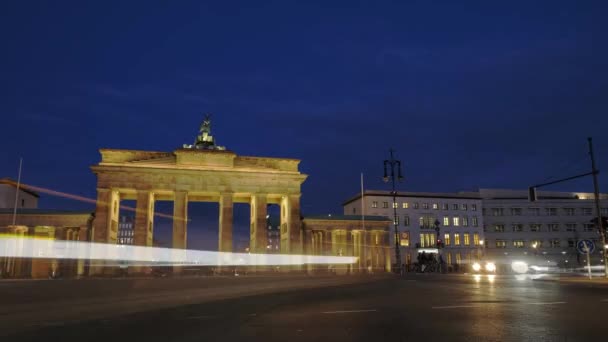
[27, 199]
[457, 215]
[544, 232]
[126, 230]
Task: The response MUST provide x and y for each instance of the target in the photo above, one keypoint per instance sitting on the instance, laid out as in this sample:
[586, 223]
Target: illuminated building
[27, 199]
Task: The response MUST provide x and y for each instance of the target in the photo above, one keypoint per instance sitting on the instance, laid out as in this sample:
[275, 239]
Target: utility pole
[392, 163]
[596, 192]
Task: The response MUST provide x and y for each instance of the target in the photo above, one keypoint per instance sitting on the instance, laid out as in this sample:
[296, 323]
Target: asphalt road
[431, 307]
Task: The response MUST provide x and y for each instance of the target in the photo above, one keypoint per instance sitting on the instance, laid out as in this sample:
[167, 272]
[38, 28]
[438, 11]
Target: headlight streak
[28, 247]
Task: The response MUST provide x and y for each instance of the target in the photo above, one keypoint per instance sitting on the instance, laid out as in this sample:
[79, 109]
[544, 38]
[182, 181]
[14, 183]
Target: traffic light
[532, 194]
[439, 243]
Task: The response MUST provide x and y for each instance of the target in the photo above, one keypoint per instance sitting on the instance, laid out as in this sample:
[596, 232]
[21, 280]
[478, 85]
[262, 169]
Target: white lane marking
[348, 311]
[545, 303]
[454, 307]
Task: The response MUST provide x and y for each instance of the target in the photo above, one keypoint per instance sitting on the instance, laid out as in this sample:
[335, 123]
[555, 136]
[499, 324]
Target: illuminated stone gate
[202, 172]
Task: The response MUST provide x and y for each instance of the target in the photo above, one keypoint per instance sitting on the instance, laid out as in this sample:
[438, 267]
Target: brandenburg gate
[202, 172]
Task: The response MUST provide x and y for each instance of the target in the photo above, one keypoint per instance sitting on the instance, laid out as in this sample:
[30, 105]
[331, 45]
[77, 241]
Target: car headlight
[490, 267]
[476, 267]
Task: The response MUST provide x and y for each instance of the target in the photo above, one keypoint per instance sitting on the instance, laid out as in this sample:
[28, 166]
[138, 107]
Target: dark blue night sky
[470, 94]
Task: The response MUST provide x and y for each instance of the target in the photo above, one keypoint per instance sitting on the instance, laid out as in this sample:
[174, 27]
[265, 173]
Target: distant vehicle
[489, 267]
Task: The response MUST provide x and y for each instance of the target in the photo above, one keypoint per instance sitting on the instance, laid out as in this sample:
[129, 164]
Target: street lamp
[439, 243]
[392, 164]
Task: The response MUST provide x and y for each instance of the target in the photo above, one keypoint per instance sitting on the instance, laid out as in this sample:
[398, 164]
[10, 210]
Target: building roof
[36, 211]
[381, 193]
[23, 187]
[347, 218]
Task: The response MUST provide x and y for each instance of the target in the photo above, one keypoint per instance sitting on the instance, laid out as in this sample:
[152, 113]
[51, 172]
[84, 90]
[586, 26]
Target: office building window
[415, 204]
[518, 227]
[499, 228]
[449, 259]
[456, 221]
[456, 239]
[536, 243]
[476, 239]
[588, 227]
[427, 240]
[534, 211]
[396, 220]
[474, 207]
[425, 205]
[497, 211]
[427, 221]
[570, 227]
[551, 211]
[501, 243]
[571, 243]
[465, 221]
[466, 239]
[458, 258]
[435, 206]
[406, 205]
[445, 206]
[587, 211]
[395, 205]
[354, 210]
[554, 243]
[446, 221]
[463, 206]
[455, 206]
[553, 227]
[404, 239]
[474, 221]
[518, 243]
[534, 227]
[384, 204]
[569, 211]
[446, 239]
[604, 211]
[375, 204]
[516, 211]
[406, 221]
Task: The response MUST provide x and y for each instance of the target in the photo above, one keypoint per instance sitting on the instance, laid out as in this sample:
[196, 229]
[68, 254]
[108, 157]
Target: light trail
[28, 247]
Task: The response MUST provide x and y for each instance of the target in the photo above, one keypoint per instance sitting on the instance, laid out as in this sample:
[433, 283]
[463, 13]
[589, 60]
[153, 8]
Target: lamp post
[392, 164]
[439, 244]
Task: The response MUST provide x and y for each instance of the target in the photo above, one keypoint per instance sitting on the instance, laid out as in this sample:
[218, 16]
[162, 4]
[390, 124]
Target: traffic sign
[583, 245]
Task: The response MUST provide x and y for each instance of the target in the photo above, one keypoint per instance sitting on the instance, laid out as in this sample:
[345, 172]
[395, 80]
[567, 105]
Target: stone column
[348, 247]
[102, 216]
[259, 231]
[290, 225]
[327, 243]
[180, 219]
[144, 219]
[226, 211]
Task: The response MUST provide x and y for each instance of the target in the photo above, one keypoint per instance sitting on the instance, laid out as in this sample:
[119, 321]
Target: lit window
[499, 228]
[446, 239]
[395, 205]
[476, 239]
[518, 243]
[474, 219]
[425, 205]
[467, 240]
[465, 221]
[396, 220]
[384, 204]
[404, 239]
[474, 207]
[458, 258]
[375, 204]
[449, 259]
[406, 221]
[553, 227]
[455, 221]
[463, 206]
[406, 205]
[456, 239]
[518, 227]
[415, 204]
[446, 221]
[535, 227]
[536, 243]
[435, 206]
[501, 243]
